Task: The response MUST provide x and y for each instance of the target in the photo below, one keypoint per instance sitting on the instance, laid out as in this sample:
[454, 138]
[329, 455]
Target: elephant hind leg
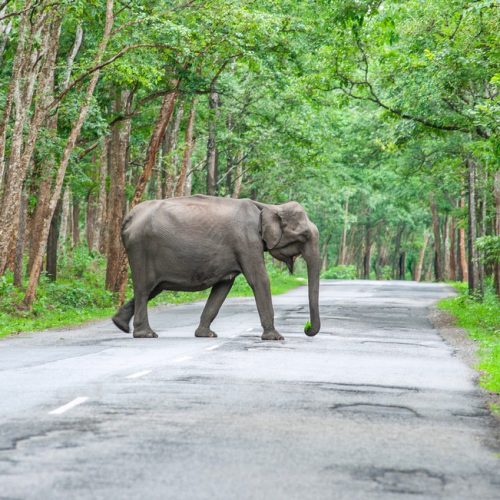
[123, 316]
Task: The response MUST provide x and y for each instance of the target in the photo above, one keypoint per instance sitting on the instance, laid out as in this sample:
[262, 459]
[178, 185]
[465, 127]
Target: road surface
[376, 406]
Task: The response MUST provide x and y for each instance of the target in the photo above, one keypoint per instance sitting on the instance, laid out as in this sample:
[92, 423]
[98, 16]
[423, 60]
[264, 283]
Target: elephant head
[287, 233]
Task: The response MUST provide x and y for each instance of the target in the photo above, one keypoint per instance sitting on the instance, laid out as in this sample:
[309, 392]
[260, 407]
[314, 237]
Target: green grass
[78, 295]
[482, 322]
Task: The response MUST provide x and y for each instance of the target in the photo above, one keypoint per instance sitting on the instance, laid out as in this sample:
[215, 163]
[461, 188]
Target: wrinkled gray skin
[199, 242]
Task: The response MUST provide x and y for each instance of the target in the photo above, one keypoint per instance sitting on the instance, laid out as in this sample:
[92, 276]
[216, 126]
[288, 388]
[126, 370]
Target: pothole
[409, 481]
[376, 409]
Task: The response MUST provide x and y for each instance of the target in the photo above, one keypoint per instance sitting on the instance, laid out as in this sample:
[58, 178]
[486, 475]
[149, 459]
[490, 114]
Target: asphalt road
[375, 406]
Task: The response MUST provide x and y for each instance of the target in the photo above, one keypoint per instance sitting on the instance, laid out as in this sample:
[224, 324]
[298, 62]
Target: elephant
[193, 243]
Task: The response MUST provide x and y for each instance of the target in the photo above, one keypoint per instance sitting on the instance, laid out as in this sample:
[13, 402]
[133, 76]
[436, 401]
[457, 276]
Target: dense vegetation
[380, 117]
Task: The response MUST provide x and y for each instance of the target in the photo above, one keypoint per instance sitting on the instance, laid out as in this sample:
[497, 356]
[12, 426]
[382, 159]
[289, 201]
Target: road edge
[466, 349]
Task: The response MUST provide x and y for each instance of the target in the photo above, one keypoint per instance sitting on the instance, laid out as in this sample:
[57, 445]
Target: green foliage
[340, 273]
[489, 246]
[482, 322]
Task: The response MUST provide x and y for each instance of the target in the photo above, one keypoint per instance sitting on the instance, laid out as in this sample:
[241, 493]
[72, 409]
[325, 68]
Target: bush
[340, 273]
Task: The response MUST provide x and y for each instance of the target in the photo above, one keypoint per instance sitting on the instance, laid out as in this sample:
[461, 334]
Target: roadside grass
[78, 295]
[482, 322]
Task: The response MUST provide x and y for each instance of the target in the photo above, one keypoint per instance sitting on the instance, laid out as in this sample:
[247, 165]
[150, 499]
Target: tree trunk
[473, 268]
[42, 62]
[367, 252]
[438, 268]
[99, 231]
[446, 255]
[238, 181]
[68, 149]
[496, 191]
[42, 197]
[464, 271]
[118, 146]
[213, 104]
[188, 150]
[18, 264]
[451, 260]
[397, 252]
[66, 222]
[169, 152]
[90, 220]
[75, 218]
[402, 266]
[55, 224]
[343, 239]
[421, 257]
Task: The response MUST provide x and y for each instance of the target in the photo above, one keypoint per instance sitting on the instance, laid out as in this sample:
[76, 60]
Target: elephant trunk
[312, 257]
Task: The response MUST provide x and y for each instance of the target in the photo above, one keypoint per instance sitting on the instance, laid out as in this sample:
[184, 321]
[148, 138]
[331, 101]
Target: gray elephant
[199, 242]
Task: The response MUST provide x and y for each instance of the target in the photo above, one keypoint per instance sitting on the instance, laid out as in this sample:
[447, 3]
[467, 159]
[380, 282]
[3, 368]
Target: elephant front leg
[214, 302]
[259, 282]
[141, 322]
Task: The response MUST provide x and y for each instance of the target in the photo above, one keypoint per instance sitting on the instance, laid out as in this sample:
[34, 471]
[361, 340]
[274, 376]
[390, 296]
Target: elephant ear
[270, 227]
[295, 224]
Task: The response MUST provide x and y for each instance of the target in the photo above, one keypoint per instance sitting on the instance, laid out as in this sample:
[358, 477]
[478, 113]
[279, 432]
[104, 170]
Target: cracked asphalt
[377, 406]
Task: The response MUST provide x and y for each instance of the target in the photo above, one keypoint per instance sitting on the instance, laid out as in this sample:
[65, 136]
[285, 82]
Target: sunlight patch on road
[180, 360]
[68, 406]
[138, 374]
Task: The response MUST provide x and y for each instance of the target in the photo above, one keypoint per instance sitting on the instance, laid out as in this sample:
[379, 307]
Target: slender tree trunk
[473, 268]
[402, 266]
[367, 252]
[397, 252]
[481, 227]
[238, 181]
[155, 141]
[118, 146]
[446, 255]
[68, 149]
[101, 199]
[213, 104]
[21, 237]
[496, 191]
[343, 240]
[421, 257]
[66, 215]
[438, 268]
[53, 238]
[75, 230]
[42, 197]
[169, 152]
[452, 261]
[90, 220]
[14, 91]
[188, 150]
[461, 249]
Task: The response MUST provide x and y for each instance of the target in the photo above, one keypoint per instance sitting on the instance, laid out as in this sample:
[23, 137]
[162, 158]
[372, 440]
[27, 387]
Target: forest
[379, 117]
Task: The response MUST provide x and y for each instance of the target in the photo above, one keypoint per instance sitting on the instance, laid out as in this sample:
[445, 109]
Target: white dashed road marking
[212, 348]
[138, 374]
[68, 406]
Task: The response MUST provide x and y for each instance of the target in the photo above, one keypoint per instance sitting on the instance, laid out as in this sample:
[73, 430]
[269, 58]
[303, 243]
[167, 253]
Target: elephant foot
[272, 335]
[122, 324]
[145, 334]
[204, 332]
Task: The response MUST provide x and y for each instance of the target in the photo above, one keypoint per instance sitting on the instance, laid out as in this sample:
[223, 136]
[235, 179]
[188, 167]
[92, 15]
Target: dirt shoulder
[465, 348]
